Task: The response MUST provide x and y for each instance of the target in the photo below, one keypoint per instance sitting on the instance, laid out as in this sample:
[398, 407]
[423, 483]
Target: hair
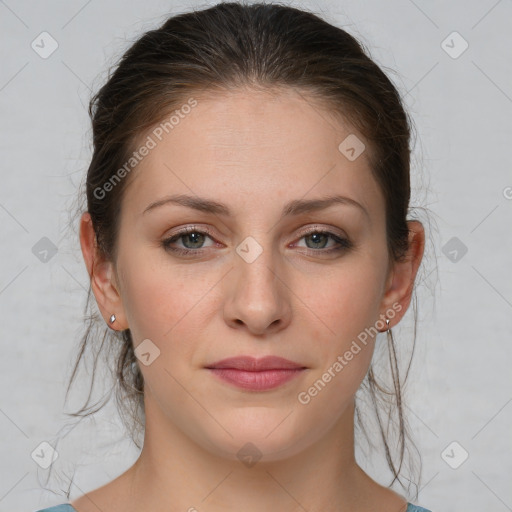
[223, 48]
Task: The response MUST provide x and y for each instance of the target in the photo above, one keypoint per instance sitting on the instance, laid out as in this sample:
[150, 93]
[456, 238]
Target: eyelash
[343, 243]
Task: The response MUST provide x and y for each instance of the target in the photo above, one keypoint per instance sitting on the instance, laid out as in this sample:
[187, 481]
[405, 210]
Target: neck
[178, 473]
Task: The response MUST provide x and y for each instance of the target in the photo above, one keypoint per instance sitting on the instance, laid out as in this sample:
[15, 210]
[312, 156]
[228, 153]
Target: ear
[102, 275]
[400, 283]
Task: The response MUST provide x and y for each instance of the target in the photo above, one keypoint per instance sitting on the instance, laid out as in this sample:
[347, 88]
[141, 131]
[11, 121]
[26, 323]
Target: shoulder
[65, 507]
[415, 508]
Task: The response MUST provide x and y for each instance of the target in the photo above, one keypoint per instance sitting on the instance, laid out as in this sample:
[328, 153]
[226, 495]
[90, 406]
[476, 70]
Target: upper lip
[253, 364]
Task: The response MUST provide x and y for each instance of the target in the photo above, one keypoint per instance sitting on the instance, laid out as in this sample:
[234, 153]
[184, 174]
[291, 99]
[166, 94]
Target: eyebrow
[295, 207]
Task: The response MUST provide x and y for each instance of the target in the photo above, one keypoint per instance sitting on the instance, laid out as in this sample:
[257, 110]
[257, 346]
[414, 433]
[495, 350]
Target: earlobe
[102, 276]
[402, 277]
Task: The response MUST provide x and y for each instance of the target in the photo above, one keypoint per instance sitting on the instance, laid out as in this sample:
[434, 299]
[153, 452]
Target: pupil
[191, 236]
[315, 236]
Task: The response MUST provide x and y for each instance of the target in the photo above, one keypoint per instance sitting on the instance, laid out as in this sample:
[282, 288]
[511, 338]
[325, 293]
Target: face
[253, 277]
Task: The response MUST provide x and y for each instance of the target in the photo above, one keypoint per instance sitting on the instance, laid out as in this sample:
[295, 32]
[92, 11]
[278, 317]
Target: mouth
[256, 374]
[252, 364]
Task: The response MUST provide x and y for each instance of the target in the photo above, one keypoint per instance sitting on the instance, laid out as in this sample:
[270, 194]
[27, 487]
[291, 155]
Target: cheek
[162, 300]
[346, 304]
[344, 343]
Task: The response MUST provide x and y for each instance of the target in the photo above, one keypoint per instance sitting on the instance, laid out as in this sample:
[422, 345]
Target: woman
[246, 236]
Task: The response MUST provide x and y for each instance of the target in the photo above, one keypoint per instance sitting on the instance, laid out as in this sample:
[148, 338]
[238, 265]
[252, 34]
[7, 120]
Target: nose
[258, 298]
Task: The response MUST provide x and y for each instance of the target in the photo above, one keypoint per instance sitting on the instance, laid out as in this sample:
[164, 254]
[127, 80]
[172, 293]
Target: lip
[256, 374]
[253, 364]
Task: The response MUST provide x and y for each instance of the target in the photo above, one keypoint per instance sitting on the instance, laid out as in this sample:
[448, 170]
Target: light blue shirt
[66, 507]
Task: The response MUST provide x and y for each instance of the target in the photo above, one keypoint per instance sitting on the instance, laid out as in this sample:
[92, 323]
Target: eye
[191, 236]
[319, 238]
[193, 239]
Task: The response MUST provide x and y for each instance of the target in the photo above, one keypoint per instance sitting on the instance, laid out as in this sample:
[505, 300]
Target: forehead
[264, 146]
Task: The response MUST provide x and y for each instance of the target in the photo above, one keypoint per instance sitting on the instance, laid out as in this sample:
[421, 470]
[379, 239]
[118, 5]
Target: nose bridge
[258, 298]
[255, 266]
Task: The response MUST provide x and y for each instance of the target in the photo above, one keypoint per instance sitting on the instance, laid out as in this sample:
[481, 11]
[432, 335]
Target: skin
[253, 151]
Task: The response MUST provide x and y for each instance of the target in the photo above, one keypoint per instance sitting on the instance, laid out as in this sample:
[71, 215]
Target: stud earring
[112, 319]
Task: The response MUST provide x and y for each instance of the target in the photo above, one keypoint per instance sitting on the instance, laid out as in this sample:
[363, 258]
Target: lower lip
[258, 381]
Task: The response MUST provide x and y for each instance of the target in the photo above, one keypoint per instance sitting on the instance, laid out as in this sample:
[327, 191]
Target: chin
[260, 435]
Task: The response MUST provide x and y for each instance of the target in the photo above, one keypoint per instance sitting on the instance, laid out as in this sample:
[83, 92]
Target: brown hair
[223, 47]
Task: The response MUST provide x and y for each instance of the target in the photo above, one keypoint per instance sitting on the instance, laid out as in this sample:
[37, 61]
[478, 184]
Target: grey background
[460, 388]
